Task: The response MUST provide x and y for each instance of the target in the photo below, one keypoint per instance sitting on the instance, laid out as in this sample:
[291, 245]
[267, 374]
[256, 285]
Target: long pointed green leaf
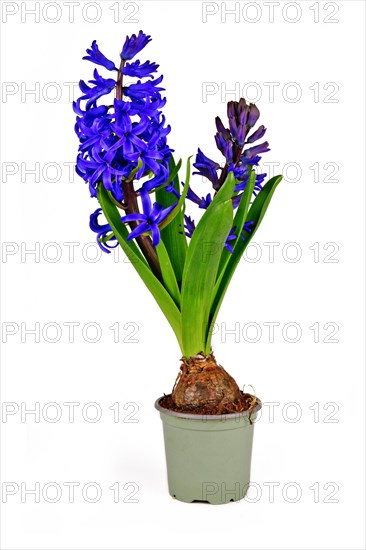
[168, 274]
[256, 213]
[173, 235]
[239, 219]
[200, 268]
[182, 198]
[158, 291]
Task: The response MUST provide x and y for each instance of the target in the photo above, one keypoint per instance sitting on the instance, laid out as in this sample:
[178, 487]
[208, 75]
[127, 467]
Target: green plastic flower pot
[208, 457]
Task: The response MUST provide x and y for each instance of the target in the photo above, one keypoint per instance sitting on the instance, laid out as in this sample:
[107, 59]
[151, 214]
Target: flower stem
[131, 204]
[144, 241]
[119, 89]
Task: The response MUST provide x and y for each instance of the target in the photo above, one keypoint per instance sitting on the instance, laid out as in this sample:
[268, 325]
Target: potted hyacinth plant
[125, 158]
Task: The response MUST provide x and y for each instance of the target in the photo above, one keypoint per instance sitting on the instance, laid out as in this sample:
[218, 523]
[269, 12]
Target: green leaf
[181, 201]
[158, 291]
[135, 170]
[131, 244]
[173, 235]
[255, 214]
[106, 238]
[179, 205]
[200, 268]
[239, 219]
[167, 272]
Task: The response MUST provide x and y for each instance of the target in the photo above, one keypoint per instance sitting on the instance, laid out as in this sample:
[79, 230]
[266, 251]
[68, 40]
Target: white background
[324, 448]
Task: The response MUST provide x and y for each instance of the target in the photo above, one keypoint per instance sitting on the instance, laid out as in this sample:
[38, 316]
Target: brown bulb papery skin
[202, 383]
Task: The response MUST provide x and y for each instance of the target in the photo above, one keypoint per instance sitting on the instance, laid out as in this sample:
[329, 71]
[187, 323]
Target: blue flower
[242, 117]
[143, 90]
[171, 189]
[231, 237]
[98, 58]
[254, 161]
[134, 45]
[243, 180]
[202, 202]
[253, 151]
[90, 136]
[231, 142]
[150, 106]
[248, 228]
[149, 159]
[225, 146]
[207, 168]
[140, 70]
[150, 218]
[98, 168]
[102, 86]
[240, 171]
[258, 134]
[102, 231]
[253, 115]
[97, 112]
[205, 202]
[237, 113]
[128, 136]
[189, 226]
[259, 179]
[221, 129]
[160, 178]
[224, 140]
[236, 200]
[115, 139]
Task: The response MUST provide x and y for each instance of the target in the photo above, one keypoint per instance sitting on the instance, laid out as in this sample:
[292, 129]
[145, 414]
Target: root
[244, 403]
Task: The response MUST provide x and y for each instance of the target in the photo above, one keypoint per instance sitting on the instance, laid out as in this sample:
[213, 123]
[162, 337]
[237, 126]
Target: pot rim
[206, 416]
